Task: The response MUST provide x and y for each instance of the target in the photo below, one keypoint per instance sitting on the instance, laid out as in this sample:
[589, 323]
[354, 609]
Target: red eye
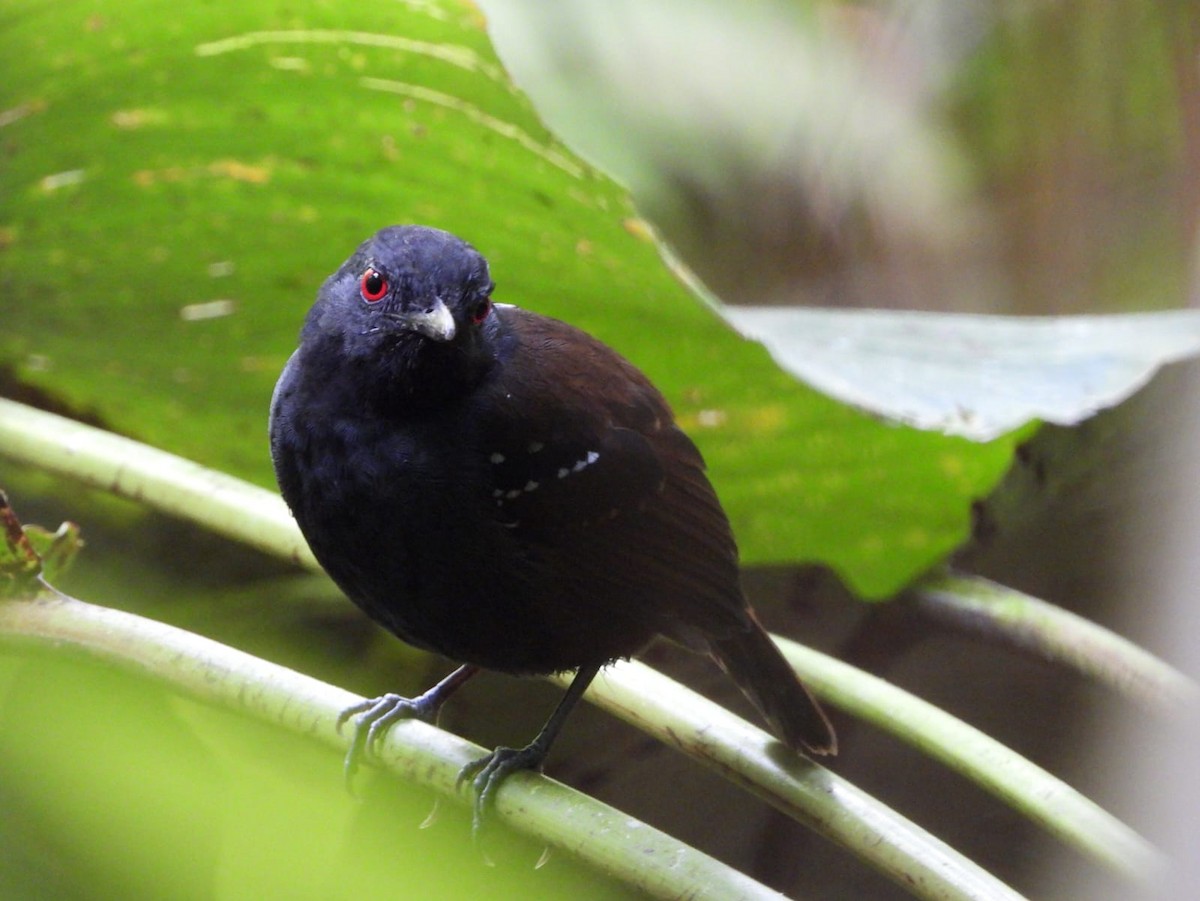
[480, 311]
[374, 286]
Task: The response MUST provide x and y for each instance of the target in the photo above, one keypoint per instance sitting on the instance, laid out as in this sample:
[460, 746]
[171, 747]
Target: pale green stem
[225, 505]
[259, 518]
[1056, 634]
[1045, 799]
[213, 673]
[804, 790]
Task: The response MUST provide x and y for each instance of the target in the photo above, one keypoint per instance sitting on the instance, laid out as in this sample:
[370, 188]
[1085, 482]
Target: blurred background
[176, 181]
[1011, 157]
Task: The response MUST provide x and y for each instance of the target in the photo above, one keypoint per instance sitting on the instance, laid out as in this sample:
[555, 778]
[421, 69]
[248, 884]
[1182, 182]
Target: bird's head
[412, 302]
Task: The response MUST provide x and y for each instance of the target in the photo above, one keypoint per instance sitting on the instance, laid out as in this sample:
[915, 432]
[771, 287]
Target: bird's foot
[487, 773]
[373, 717]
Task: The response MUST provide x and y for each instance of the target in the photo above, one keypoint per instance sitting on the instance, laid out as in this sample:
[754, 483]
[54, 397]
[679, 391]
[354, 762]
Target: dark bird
[502, 489]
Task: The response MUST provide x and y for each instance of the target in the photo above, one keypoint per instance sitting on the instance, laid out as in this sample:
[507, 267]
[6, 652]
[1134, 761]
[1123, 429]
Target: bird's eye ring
[480, 310]
[373, 285]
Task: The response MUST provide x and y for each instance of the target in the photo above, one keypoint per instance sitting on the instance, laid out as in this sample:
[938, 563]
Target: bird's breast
[402, 522]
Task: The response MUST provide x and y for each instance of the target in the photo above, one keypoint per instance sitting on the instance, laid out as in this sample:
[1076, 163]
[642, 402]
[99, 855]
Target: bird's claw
[486, 775]
[372, 718]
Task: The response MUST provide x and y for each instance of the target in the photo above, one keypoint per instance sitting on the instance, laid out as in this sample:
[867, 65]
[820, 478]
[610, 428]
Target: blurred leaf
[976, 376]
[766, 140]
[57, 549]
[19, 562]
[767, 88]
[30, 554]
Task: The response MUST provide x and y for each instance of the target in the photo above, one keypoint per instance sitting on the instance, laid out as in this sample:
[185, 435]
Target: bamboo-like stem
[221, 503]
[804, 790]
[259, 518]
[1042, 797]
[207, 671]
[1055, 634]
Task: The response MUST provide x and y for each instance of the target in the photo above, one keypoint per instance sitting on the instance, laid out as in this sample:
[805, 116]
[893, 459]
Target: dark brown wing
[600, 486]
[607, 499]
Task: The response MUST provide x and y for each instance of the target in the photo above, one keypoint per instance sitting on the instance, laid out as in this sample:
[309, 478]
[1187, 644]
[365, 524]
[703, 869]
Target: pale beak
[436, 322]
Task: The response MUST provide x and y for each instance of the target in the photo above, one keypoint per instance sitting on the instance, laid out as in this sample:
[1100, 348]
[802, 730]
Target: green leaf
[56, 549]
[30, 554]
[175, 196]
[976, 376]
[19, 562]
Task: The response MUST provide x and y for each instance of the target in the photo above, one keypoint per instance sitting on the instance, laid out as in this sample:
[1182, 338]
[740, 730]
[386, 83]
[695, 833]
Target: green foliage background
[159, 157]
[160, 161]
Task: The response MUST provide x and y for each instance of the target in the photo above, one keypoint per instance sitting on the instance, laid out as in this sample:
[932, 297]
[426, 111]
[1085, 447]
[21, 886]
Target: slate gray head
[412, 304]
[406, 280]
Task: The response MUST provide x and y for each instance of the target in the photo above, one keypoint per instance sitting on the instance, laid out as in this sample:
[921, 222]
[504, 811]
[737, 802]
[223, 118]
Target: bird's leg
[374, 716]
[486, 774]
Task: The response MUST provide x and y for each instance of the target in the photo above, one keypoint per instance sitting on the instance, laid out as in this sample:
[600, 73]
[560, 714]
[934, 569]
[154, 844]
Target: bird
[501, 488]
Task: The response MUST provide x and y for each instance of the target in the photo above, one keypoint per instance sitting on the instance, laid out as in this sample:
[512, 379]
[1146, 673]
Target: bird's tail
[767, 679]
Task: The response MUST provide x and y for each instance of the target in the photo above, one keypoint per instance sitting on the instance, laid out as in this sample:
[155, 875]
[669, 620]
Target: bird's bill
[435, 323]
